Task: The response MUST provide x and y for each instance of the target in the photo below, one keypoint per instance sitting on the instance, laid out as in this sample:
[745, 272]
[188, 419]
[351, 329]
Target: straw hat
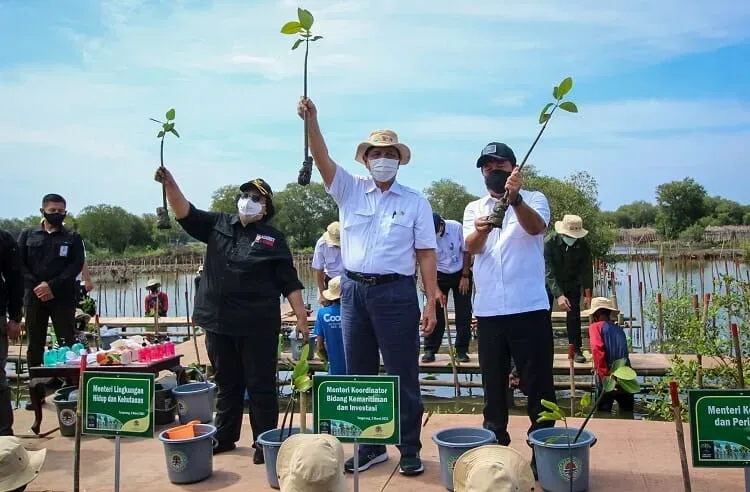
[598, 303]
[18, 467]
[383, 138]
[311, 463]
[333, 234]
[572, 226]
[333, 292]
[152, 282]
[492, 468]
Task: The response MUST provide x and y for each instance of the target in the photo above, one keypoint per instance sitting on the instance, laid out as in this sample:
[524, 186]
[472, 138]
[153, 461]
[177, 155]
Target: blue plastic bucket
[553, 458]
[195, 401]
[190, 460]
[271, 442]
[454, 442]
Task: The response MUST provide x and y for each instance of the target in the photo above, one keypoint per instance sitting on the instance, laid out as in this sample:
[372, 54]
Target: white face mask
[383, 169]
[248, 208]
[569, 240]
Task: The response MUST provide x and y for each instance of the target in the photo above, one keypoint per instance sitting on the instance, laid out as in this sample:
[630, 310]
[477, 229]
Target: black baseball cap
[496, 150]
[264, 189]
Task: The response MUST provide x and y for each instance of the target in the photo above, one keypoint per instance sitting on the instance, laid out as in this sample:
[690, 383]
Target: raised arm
[318, 147]
[177, 201]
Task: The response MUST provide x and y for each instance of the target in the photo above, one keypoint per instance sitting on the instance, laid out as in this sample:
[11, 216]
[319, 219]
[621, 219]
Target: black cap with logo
[498, 151]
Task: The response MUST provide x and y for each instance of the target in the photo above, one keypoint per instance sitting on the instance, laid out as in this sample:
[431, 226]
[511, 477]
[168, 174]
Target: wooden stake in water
[614, 288]
[698, 356]
[680, 436]
[738, 356]
[660, 321]
[643, 321]
[630, 301]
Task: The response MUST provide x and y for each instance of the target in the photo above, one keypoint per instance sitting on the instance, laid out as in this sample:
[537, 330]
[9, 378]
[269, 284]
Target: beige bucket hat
[333, 234]
[152, 282]
[598, 303]
[571, 225]
[383, 138]
[333, 292]
[492, 468]
[311, 463]
[18, 467]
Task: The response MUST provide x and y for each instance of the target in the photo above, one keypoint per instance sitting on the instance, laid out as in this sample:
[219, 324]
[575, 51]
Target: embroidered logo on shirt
[266, 240]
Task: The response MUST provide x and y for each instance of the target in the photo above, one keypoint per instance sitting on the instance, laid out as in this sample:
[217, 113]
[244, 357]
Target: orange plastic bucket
[185, 431]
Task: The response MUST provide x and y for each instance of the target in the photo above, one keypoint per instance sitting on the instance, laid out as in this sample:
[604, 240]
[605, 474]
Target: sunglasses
[252, 196]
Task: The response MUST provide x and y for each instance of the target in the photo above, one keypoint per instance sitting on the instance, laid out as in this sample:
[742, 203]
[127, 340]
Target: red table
[38, 376]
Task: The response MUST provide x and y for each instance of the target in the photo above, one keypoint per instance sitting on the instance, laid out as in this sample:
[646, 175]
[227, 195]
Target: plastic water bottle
[61, 354]
[77, 347]
[50, 357]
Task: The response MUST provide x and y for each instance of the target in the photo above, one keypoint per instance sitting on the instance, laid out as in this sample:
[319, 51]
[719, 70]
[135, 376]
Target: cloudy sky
[662, 88]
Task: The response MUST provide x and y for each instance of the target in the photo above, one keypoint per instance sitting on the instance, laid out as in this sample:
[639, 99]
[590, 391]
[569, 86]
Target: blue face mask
[570, 241]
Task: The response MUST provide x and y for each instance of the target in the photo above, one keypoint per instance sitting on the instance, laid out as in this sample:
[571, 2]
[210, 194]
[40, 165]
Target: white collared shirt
[450, 248]
[380, 231]
[509, 271]
[327, 257]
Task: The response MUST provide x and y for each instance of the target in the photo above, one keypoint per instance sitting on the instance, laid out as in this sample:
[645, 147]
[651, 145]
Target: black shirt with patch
[245, 271]
[53, 257]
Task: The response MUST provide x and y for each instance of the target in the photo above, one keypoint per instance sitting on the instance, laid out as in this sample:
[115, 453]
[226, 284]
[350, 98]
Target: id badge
[64, 250]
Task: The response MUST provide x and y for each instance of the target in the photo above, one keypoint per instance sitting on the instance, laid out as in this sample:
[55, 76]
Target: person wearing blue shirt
[329, 340]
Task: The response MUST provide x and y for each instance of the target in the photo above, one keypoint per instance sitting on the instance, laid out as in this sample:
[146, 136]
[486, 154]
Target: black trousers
[38, 314]
[573, 318]
[6, 410]
[462, 303]
[245, 362]
[527, 337]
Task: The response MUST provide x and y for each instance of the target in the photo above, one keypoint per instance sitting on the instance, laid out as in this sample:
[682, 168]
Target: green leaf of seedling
[609, 384]
[618, 364]
[545, 418]
[315, 38]
[587, 354]
[296, 44]
[556, 93]
[543, 116]
[565, 87]
[174, 132]
[170, 114]
[585, 400]
[168, 126]
[306, 19]
[292, 27]
[630, 386]
[569, 106]
[160, 134]
[550, 405]
[303, 383]
[625, 373]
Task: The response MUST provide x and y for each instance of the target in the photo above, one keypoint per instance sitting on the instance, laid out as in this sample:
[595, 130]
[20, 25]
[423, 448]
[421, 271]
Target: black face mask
[55, 220]
[495, 181]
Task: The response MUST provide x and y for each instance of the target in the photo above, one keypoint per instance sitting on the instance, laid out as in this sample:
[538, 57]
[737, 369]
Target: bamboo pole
[643, 321]
[630, 301]
[191, 324]
[614, 289]
[698, 356]
[454, 362]
[79, 428]
[572, 369]
[680, 436]
[660, 321]
[738, 356]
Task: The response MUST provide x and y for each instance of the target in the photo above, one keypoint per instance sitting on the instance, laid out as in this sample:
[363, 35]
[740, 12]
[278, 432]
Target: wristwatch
[518, 200]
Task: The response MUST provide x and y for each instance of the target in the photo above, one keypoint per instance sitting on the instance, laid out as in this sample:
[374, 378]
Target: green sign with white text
[364, 409]
[118, 404]
[720, 428]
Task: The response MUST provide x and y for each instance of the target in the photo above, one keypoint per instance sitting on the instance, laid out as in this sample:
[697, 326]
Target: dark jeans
[573, 318]
[6, 410]
[38, 314]
[385, 319]
[245, 362]
[527, 337]
[462, 304]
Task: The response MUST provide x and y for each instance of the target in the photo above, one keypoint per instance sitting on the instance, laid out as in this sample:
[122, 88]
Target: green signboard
[363, 409]
[118, 404]
[720, 427]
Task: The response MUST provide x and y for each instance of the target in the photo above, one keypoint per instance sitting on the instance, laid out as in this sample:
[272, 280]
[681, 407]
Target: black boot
[6, 413]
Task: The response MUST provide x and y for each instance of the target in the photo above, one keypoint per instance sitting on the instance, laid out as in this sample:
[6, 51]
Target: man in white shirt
[511, 303]
[327, 259]
[453, 273]
[386, 229]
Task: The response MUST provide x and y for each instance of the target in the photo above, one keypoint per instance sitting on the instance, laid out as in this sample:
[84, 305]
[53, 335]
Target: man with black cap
[247, 267]
[453, 273]
[511, 304]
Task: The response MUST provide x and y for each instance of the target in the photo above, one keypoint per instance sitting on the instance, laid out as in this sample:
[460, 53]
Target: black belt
[372, 279]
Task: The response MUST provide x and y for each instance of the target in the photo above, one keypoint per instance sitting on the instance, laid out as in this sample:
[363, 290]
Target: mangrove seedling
[558, 93]
[162, 213]
[621, 374]
[301, 385]
[301, 28]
